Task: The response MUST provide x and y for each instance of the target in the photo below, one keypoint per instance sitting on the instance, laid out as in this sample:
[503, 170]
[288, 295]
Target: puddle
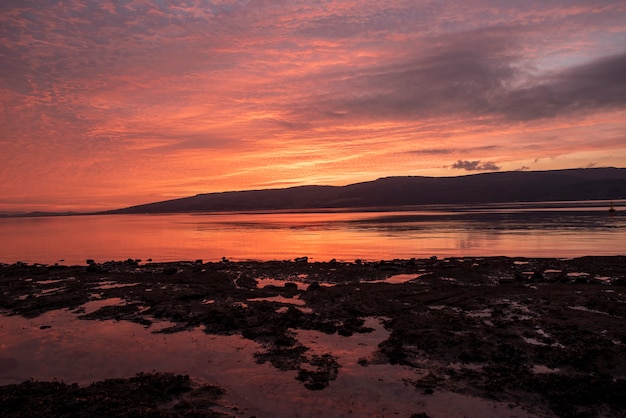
[576, 274]
[541, 369]
[284, 309]
[348, 349]
[82, 351]
[395, 279]
[381, 390]
[281, 299]
[50, 281]
[113, 285]
[94, 305]
[52, 290]
[268, 281]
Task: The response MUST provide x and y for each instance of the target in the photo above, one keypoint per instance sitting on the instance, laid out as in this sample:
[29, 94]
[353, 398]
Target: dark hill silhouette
[500, 187]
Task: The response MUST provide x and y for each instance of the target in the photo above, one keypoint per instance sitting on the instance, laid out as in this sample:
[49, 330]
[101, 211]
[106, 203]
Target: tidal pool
[58, 345]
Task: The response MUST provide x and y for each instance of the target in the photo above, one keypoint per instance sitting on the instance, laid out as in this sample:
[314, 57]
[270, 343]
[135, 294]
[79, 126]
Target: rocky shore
[545, 336]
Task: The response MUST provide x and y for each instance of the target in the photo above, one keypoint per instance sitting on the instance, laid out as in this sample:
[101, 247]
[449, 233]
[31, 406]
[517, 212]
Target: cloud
[475, 165]
[487, 73]
[432, 151]
[594, 86]
[444, 151]
[455, 74]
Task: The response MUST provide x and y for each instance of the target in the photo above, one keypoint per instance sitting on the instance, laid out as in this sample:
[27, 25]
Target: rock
[94, 268]
[131, 262]
[304, 259]
[314, 286]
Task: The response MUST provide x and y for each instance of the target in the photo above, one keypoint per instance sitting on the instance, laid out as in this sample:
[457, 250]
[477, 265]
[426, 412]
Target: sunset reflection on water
[552, 232]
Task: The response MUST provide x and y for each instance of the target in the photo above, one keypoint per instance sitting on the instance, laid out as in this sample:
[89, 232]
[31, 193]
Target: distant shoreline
[92, 265]
[592, 205]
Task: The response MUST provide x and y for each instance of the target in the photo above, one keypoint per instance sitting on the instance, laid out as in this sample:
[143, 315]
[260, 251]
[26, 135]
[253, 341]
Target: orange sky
[111, 104]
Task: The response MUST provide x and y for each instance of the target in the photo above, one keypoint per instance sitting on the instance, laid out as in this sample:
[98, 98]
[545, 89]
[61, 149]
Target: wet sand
[492, 336]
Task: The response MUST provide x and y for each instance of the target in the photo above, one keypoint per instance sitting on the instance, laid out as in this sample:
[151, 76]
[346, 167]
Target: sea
[538, 229]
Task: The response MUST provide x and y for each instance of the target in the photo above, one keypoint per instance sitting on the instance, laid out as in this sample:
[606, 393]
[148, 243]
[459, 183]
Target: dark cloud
[455, 74]
[444, 151]
[481, 73]
[475, 165]
[594, 86]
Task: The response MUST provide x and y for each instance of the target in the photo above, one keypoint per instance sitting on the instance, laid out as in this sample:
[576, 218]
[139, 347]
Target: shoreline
[542, 335]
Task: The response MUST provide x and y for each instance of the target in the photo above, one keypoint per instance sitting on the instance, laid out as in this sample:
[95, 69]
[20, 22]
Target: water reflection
[573, 230]
[57, 345]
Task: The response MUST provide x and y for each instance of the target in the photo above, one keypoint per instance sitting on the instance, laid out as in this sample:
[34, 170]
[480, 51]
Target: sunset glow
[111, 104]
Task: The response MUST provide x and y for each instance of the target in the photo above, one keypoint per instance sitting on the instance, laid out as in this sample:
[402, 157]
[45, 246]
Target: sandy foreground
[458, 337]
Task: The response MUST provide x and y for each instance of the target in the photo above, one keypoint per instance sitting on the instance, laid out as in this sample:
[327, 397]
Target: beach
[462, 336]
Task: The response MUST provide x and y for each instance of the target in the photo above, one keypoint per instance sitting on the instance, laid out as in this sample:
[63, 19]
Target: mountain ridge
[496, 187]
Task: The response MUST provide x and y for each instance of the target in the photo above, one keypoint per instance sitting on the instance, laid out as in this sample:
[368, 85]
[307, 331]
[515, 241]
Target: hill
[500, 187]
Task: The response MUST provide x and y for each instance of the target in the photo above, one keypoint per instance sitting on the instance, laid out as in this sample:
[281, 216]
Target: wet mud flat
[544, 337]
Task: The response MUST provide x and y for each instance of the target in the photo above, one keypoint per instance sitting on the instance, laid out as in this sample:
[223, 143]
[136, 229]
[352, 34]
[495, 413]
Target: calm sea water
[555, 229]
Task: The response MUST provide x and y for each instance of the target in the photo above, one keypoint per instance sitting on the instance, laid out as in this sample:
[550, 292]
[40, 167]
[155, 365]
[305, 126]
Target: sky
[108, 104]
